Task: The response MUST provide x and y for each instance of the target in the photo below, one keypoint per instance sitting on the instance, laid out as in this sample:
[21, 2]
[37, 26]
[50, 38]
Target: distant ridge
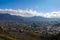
[6, 16]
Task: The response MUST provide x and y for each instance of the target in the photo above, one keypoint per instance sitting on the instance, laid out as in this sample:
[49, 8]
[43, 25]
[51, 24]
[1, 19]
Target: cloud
[52, 14]
[20, 12]
[30, 13]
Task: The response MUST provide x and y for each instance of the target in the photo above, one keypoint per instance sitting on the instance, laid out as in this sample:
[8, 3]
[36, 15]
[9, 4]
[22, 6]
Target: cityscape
[29, 19]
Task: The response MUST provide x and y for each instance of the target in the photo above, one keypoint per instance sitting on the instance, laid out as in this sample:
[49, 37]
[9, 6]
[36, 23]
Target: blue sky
[38, 5]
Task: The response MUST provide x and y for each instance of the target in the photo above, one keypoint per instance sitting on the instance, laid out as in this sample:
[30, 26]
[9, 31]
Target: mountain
[36, 18]
[6, 16]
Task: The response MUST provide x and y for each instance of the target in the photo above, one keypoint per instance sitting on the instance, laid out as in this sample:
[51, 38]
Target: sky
[49, 8]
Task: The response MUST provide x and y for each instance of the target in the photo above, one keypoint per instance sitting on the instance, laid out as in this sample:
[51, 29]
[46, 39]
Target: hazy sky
[38, 5]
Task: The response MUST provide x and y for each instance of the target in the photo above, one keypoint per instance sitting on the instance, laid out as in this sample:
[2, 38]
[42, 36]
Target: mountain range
[6, 16]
